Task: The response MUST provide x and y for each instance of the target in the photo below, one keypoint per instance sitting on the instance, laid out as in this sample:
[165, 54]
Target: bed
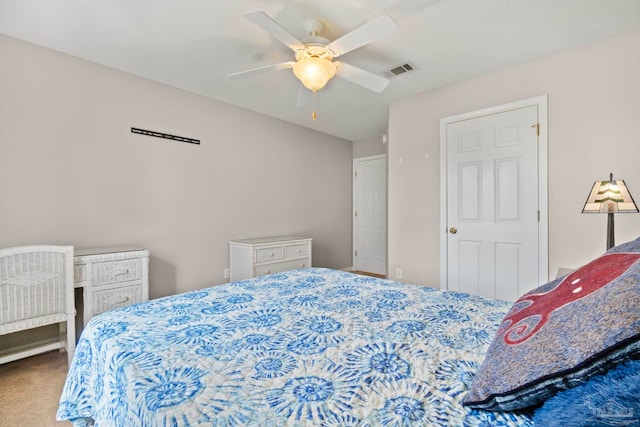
[306, 347]
[320, 347]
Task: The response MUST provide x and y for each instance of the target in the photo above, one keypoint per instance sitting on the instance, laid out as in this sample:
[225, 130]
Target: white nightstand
[266, 255]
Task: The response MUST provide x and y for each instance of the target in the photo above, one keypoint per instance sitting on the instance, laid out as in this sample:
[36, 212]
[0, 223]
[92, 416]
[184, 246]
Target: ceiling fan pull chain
[313, 112]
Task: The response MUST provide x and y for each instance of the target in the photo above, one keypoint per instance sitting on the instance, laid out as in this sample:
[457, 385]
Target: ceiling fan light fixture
[314, 72]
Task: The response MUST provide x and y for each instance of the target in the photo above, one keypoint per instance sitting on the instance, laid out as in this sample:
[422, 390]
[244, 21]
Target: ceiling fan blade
[380, 27]
[276, 30]
[361, 77]
[261, 70]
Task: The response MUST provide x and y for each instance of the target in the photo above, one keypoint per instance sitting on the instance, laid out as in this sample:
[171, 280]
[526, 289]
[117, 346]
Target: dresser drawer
[296, 251]
[110, 277]
[276, 267]
[105, 273]
[269, 254]
[109, 299]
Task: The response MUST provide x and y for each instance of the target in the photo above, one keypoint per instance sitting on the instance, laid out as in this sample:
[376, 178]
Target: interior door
[370, 214]
[492, 207]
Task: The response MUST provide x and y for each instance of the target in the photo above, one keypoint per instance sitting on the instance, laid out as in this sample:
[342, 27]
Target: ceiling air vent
[401, 69]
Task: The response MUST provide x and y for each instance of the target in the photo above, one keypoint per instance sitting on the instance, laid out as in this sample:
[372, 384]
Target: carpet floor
[30, 389]
[366, 273]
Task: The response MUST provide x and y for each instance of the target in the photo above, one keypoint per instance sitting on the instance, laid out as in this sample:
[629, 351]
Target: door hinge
[356, 253]
[355, 213]
[355, 174]
[537, 126]
[538, 216]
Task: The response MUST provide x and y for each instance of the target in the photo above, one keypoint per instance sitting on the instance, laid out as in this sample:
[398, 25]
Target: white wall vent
[401, 69]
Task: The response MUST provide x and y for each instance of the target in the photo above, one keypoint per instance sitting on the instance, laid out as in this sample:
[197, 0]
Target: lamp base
[610, 231]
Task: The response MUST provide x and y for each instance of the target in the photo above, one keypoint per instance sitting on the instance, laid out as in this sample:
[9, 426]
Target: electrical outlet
[226, 273]
[398, 273]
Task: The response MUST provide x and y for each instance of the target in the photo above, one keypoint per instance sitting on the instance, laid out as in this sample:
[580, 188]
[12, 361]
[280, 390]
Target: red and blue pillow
[562, 333]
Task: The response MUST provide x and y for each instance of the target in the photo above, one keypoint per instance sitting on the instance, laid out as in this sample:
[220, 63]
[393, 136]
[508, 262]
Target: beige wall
[369, 147]
[594, 123]
[72, 173]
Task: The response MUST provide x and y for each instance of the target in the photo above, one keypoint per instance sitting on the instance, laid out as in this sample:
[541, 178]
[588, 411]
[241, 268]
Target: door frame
[354, 225]
[543, 141]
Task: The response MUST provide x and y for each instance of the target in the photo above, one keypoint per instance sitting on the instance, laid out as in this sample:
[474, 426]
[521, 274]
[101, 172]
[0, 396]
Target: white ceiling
[194, 44]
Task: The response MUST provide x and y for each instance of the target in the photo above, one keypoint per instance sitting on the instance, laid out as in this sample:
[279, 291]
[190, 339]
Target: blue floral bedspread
[310, 347]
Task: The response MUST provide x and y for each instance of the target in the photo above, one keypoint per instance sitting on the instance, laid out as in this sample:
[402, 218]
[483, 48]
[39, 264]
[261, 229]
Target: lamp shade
[609, 197]
[314, 72]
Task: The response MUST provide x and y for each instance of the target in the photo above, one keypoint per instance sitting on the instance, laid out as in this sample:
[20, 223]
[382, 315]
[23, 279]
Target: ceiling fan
[314, 65]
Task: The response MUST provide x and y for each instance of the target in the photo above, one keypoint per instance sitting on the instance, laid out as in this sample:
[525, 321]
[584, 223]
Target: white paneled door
[493, 213]
[370, 214]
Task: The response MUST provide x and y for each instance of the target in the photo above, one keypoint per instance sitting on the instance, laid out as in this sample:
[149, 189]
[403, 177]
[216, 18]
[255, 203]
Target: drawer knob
[270, 253]
[299, 250]
[267, 272]
[122, 273]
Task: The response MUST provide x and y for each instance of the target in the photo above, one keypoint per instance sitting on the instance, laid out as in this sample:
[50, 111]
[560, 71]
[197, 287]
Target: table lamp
[610, 197]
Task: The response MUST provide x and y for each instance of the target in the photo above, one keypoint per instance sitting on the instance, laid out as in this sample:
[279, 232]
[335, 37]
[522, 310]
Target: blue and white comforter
[307, 347]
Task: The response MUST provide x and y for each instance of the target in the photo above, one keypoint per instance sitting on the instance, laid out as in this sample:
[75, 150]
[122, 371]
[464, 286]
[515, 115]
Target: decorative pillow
[562, 333]
[612, 399]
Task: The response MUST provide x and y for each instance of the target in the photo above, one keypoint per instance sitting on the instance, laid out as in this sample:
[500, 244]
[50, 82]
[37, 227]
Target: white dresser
[110, 278]
[266, 255]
